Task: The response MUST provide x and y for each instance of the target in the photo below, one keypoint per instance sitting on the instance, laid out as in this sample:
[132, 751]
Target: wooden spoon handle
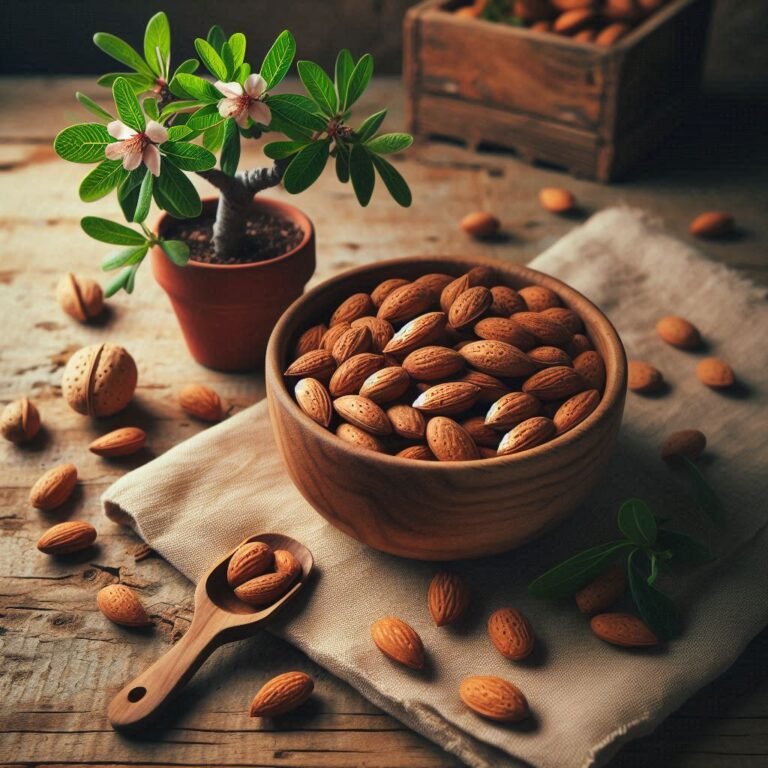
[142, 700]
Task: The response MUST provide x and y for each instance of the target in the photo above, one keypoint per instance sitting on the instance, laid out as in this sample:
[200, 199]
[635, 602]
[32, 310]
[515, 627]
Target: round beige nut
[80, 297]
[480, 224]
[20, 421]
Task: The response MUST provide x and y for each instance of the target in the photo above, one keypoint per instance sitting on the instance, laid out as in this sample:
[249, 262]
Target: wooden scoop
[219, 618]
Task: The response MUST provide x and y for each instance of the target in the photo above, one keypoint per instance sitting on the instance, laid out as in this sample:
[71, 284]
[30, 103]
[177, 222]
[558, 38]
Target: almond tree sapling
[146, 148]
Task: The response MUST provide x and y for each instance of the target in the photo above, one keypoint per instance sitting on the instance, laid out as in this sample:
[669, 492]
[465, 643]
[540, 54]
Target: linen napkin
[201, 498]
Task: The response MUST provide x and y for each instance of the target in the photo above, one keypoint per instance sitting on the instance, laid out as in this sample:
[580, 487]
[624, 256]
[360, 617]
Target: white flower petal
[114, 151]
[152, 159]
[156, 132]
[260, 112]
[229, 90]
[118, 130]
[230, 107]
[132, 159]
[242, 118]
[255, 85]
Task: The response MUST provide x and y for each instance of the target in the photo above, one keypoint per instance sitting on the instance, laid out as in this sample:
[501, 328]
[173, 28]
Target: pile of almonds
[448, 368]
[259, 575]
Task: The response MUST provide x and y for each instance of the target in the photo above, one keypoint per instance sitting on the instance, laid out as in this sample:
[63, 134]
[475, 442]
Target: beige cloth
[198, 500]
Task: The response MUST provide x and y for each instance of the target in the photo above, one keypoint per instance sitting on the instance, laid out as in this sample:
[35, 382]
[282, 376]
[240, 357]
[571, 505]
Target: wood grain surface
[62, 662]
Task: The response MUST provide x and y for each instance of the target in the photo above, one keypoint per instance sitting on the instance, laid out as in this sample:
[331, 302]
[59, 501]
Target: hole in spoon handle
[136, 694]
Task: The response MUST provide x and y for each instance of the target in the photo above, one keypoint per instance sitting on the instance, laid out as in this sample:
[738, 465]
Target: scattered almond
[480, 224]
[511, 633]
[20, 421]
[313, 398]
[80, 297]
[120, 442]
[66, 538]
[712, 224]
[688, 443]
[54, 487]
[494, 698]
[249, 561]
[603, 592]
[643, 377]
[265, 589]
[449, 441]
[398, 641]
[556, 200]
[121, 606]
[526, 435]
[623, 629]
[574, 410]
[202, 402]
[447, 598]
[715, 373]
[678, 332]
[282, 694]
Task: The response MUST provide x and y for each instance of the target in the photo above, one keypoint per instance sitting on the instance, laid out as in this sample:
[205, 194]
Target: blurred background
[737, 59]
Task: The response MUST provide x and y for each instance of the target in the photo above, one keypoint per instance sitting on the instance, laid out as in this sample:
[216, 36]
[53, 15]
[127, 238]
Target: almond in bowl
[512, 435]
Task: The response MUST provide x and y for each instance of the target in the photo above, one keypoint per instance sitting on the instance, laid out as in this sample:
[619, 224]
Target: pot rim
[290, 211]
[613, 394]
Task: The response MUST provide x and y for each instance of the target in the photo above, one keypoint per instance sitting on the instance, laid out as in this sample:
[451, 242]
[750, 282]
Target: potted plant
[229, 265]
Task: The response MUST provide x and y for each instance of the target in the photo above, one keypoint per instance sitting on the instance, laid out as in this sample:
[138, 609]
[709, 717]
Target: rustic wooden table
[61, 660]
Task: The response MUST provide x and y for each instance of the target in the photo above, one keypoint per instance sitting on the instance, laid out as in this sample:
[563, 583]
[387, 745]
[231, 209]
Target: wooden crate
[593, 111]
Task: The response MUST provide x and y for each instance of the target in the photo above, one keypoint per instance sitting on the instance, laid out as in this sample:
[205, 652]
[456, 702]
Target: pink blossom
[136, 147]
[244, 101]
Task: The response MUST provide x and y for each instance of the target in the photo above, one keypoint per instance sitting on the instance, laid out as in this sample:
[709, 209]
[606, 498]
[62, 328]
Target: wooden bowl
[432, 510]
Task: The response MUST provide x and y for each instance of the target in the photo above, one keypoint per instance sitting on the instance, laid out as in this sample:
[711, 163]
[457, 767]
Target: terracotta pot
[227, 311]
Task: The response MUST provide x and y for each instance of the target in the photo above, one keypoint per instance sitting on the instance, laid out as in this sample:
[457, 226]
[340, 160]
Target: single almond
[575, 409]
[623, 629]
[712, 224]
[407, 422]
[250, 560]
[538, 298]
[512, 409]
[310, 340]
[497, 358]
[572, 21]
[483, 435]
[566, 317]
[545, 329]
[202, 402]
[449, 441]
[54, 487]
[469, 306]
[285, 562]
[447, 399]
[313, 398]
[715, 373]
[678, 332]
[452, 291]
[265, 589]
[526, 435]
[381, 331]
[359, 438]
[120, 442]
[350, 375]
[398, 641]
[386, 384]
[611, 34]
[554, 383]
[352, 342]
[506, 330]
[447, 598]
[419, 332]
[482, 274]
[120, 605]
[383, 289]
[65, 538]
[685, 443]
[363, 413]
[556, 200]
[590, 366]
[405, 303]
[317, 364]
[505, 301]
[80, 297]
[282, 694]
[433, 363]
[491, 388]
[417, 453]
[20, 421]
[603, 592]
[357, 305]
[435, 282]
[546, 357]
[511, 633]
[643, 377]
[494, 698]
[578, 344]
[332, 335]
[480, 224]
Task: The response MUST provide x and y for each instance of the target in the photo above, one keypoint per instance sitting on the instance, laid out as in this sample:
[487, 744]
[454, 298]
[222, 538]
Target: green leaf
[118, 283]
[572, 574]
[295, 112]
[128, 191]
[188, 157]
[654, 607]
[157, 44]
[216, 37]
[684, 548]
[241, 73]
[279, 58]
[319, 86]
[637, 523]
[198, 88]
[92, 106]
[708, 501]
[211, 59]
[107, 231]
[101, 180]
[358, 81]
[178, 106]
[229, 60]
[371, 125]
[124, 257]
[179, 132]
[345, 64]
[230, 150]
[393, 181]
[149, 105]
[306, 167]
[387, 143]
[176, 250]
[82, 143]
[175, 193]
[120, 50]
[361, 173]
[237, 46]
[205, 118]
[144, 201]
[278, 150]
[130, 283]
[213, 137]
[342, 165]
[139, 83]
[128, 109]
[188, 66]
